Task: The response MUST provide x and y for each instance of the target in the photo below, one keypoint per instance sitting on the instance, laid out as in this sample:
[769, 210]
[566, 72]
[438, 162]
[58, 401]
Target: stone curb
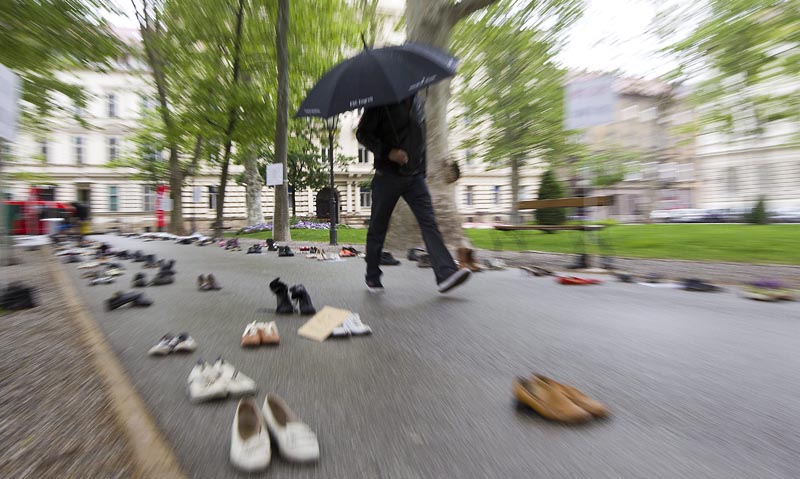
[153, 456]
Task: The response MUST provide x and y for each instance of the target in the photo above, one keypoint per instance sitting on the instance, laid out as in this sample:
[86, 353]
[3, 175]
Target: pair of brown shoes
[557, 401]
[466, 259]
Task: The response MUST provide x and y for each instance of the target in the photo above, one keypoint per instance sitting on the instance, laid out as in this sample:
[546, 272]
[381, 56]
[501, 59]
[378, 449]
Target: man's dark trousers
[387, 188]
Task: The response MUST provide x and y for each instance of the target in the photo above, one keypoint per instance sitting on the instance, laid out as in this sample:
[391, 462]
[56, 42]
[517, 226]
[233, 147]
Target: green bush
[758, 215]
[550, 189]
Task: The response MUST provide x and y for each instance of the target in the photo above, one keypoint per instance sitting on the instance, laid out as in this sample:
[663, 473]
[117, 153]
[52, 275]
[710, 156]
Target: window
[468, 156]
[497, 194]
[325, 154]
[43, 150]
[113, 198]
[731, 179]
[469, 196]
[149, 195]
[366, 196]
[113, 150]
[112, 105]
[212, 197]
[77, 149]
[363, 154]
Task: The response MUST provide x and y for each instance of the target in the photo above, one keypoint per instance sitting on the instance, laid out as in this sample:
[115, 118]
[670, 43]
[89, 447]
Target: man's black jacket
[402, 126]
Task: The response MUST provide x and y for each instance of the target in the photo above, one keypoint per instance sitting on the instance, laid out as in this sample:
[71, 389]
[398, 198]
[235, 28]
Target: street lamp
[330, 125]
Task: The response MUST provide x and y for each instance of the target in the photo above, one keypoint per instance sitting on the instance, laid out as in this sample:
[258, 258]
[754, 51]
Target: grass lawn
[717, 242]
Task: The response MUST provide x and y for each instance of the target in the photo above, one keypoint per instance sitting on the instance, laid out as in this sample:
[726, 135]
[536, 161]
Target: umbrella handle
[364, 41]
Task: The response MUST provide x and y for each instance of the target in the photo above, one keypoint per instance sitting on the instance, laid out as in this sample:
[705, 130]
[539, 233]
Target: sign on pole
[590, 101]
[9, 97]
[274, 174]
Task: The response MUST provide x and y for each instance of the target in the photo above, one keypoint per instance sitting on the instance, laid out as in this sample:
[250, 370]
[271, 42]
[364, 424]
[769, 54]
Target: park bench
[591, 231]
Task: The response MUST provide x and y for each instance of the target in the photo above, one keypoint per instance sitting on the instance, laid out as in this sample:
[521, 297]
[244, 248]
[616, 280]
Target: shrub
[550, 189]
[758, 215]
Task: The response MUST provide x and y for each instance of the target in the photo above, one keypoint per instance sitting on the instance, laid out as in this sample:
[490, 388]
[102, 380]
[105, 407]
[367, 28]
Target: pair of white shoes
[251, 449]
[352, 326]
[182, 343]
[218, 380]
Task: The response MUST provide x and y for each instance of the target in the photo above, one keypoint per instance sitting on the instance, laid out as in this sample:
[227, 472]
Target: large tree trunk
[430, 21]
[252, 178]
[280, 226]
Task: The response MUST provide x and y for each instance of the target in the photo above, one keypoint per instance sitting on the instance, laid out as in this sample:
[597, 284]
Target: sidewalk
[55, 418]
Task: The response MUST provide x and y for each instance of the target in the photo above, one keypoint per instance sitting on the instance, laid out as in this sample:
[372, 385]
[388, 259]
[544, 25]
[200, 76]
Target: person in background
[395, 134]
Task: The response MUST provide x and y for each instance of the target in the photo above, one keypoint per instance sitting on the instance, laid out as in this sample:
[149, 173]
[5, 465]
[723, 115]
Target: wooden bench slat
[567, 202]
[549, 227]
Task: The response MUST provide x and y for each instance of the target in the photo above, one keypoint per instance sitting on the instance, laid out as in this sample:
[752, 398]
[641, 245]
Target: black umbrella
[376, 77]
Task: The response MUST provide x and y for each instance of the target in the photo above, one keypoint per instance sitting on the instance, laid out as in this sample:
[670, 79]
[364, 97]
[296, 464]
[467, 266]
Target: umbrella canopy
[376, 77]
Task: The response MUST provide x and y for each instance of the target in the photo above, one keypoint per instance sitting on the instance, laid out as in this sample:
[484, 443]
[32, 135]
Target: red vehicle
[26, 215]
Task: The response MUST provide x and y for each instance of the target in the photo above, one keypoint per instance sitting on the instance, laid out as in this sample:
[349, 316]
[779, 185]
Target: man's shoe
[414, 254]
[548, 401]
[455, 279]
[162, 279]
[424, 261]
[301, 296]
[593, 407]
[374, 286]
[285, 251]
[388, 260]
[281, 291]
[213, 284]
[202, 283]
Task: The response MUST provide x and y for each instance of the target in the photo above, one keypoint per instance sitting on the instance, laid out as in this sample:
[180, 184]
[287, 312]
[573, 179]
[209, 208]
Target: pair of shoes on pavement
[182, 343]
[120, 299]
[555, 401]
[352, 326]
[768, 290]
[208, 283]
[285, 251]
[101, 280]
[260, 334]
[255, 249]
[298, 294]
[694, 284]
[251, 448]
[216, 381]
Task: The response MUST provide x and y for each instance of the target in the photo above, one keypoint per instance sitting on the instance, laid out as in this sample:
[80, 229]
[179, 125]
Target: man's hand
[398, 156]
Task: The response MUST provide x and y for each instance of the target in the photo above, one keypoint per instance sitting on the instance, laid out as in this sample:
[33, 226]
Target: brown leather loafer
[595, 408]
[548, 401]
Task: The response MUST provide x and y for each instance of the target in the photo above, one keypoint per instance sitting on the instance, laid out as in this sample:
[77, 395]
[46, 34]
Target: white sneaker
[296, 441]
[356, 327]
[163, 347]
[235, 382]
[183, 343]
[206, 383]
[250, 446]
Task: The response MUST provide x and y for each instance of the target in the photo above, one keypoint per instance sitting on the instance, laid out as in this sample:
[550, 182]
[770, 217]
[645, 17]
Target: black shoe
[150, 261]
[414, 254]
[303, 299]
[140, 280]
[138, 256]
[694, 284]
[271, 245]
[388, 260]
[17, 296]
[455, 279]
[162, 279]
[581, 262]
[285, 251]
[120, 299]
[166, 267]
[374, 286]
[424, 261]
[281, 291]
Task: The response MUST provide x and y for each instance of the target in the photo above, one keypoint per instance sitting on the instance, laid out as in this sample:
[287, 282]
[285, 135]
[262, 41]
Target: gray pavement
[701, 385]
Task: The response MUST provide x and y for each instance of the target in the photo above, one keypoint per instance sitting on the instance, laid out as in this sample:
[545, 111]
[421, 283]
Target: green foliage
[512, 90]
[742, 49]
[758, 215]
[41, 38]
[550, 189]
[604, 168]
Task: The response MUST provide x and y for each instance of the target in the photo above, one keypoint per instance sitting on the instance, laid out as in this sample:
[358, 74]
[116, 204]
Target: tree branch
[464, 8]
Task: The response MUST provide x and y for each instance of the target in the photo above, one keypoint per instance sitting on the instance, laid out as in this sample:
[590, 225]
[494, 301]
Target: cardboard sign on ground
[320, 326]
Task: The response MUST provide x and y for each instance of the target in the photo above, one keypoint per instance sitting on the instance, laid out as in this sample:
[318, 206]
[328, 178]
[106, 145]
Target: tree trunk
[431, 21]
[253, 185]
[515, 166]
[232, 115]
[280, 226]
[176, 225]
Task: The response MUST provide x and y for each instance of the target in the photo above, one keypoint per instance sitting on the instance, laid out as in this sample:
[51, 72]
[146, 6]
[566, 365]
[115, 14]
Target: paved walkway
[55, 420]
[702, 385]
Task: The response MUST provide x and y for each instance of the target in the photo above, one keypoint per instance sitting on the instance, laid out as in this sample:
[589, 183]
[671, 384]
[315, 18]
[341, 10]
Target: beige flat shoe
[268, 333]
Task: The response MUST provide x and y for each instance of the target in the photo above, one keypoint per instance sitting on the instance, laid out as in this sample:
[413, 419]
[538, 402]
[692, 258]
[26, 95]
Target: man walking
[396, 136]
